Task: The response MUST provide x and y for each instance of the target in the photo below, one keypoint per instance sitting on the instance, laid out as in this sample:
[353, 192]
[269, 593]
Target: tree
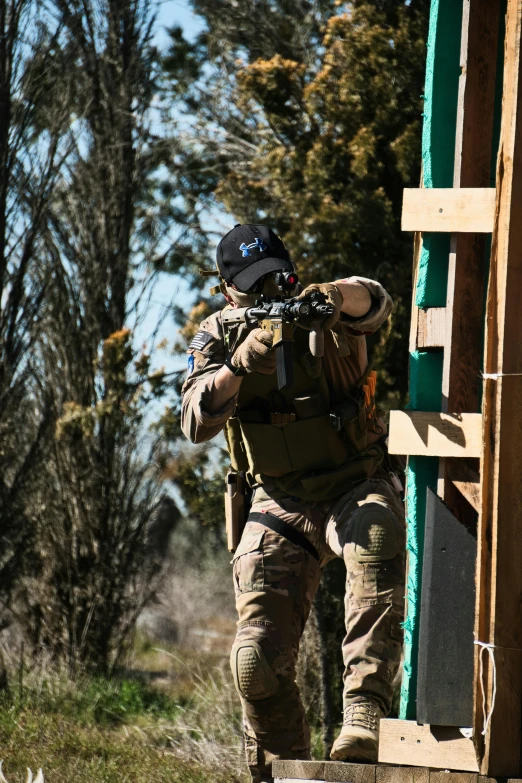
[310, 119]
[32, 153]
[95, 565]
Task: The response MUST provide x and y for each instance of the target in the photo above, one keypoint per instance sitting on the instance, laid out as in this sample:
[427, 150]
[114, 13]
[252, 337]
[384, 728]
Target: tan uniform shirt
[345, 362]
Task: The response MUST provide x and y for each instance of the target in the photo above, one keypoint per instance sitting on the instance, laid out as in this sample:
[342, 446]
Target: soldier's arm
[225, 388]
[366, 304]
[357, 300]
[210, 391]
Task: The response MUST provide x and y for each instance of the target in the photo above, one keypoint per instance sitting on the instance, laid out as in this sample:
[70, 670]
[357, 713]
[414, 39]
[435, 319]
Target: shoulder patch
[201, 339]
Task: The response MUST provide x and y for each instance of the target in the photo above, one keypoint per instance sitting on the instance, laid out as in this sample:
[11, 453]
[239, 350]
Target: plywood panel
[445, 680]
[407, 742]
[448, 209]
[416, 433]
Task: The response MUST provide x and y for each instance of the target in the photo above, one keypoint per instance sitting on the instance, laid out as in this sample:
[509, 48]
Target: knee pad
[253, 677]
[377, 534]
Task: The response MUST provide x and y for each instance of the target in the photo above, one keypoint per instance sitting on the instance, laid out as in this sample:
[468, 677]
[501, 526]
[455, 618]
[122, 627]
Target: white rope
[491, 651]
[493, 376]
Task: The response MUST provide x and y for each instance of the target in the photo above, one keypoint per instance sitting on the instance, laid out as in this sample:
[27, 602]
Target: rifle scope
[286, 280]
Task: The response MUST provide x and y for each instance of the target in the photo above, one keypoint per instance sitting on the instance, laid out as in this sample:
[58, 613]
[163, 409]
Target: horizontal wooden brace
[415, 433]
[456, 210]
[431, 328]
[407, 742]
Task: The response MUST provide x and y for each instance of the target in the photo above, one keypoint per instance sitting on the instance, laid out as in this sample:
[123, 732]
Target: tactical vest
[310, 445]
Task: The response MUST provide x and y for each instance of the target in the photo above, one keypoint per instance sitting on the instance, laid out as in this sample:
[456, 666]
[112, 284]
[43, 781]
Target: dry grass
[172, 715]
[181, 723]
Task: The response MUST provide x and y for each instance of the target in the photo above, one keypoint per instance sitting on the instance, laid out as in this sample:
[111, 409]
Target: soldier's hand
[255, 354]
[333, 296]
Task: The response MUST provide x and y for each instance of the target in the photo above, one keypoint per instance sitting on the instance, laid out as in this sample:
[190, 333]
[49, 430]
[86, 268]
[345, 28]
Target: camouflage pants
[275, 582]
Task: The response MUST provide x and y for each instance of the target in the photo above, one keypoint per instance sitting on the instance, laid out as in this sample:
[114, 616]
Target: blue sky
[176, 12]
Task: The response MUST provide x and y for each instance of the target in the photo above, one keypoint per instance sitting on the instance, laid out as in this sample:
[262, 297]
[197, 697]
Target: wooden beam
[338, 771]
[407, 742]
[385, 774]
[499, 579]
[415, 433]
[415, 311]
[448, 209]
[299, 770]
[466, 271]
[465, 480]
[431, 327]
[345, 772]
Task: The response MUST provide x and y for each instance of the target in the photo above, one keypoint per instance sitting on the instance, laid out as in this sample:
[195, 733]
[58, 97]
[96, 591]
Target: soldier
[314, 456]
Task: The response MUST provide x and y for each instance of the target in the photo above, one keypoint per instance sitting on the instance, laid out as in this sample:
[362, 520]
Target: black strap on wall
[284, 529]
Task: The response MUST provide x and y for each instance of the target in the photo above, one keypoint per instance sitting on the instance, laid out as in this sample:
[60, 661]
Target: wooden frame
[459, 337]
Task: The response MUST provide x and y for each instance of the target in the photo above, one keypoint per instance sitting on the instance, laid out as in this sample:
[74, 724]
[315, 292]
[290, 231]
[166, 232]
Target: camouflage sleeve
[382, 305]
[206, 354]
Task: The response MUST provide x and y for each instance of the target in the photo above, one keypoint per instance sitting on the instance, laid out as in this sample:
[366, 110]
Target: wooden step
[340, 772]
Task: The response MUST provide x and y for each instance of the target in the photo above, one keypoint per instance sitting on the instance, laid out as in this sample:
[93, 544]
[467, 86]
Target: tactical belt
[284, 529]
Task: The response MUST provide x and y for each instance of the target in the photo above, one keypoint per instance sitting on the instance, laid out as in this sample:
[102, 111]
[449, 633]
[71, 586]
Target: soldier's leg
[274, 582]
[367, 530]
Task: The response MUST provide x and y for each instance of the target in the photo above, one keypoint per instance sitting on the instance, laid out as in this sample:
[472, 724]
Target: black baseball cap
[250, 251]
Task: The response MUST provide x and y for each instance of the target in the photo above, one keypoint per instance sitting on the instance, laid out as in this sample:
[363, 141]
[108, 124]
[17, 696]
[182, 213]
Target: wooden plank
[343, 772]
[384, 774]
[466, 272]
[499, 579]
[435, 434]
[445, 776]
[470, 491]
[448, 209]
[296, 780]
[407, 742]
[466, 480]
[431, 327]
[298, 770]
[415, 311]
[338, 771]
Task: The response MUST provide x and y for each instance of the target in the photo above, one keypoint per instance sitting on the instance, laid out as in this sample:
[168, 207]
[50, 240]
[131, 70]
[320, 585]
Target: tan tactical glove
[334, 297]
[256, 354]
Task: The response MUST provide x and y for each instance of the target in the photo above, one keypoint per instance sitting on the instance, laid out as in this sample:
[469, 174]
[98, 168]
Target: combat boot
[359, 737]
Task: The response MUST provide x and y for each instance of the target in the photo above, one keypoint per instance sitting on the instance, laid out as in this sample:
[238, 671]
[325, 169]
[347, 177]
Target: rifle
[280, 316]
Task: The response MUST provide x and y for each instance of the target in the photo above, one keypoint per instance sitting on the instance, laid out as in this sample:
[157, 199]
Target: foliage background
[122, 163]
